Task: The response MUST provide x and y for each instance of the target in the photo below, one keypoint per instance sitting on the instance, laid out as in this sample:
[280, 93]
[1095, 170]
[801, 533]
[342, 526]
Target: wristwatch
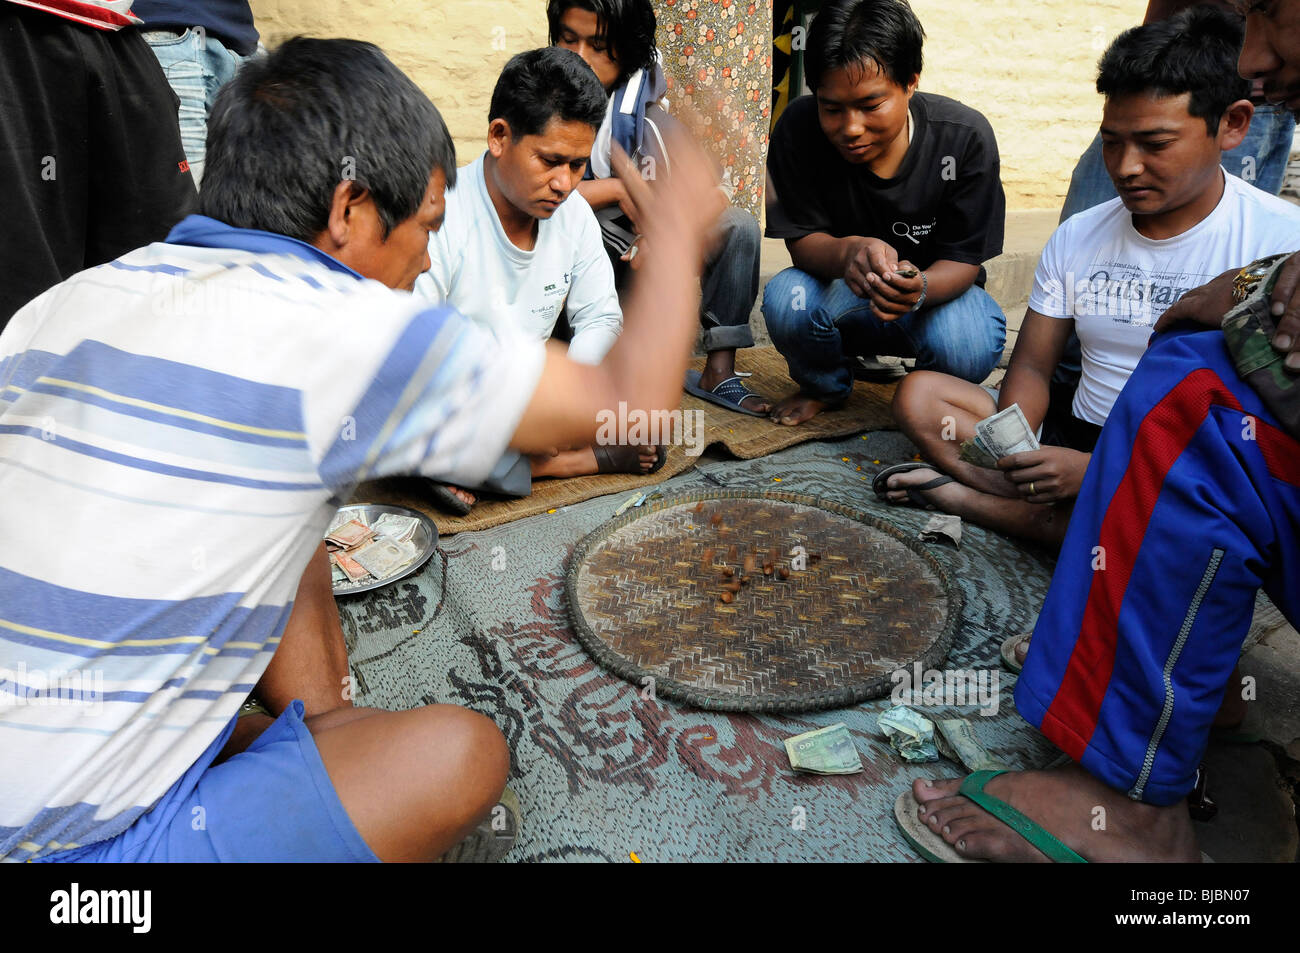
[1251, 275]
[925, 286]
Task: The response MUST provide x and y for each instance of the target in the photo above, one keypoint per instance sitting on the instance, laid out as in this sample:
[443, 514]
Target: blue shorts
[272, 802]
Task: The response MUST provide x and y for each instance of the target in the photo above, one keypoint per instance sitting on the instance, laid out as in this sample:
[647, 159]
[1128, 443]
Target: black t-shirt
[945, 201]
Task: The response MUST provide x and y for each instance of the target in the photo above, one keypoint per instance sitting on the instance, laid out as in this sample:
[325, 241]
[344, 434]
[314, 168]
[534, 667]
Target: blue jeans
[817, 327]
[1260, 160]
[197, 66]
[729, 284]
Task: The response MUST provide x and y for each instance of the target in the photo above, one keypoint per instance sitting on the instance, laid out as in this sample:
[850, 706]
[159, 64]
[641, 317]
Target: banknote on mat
[824, 751]
[957, 742]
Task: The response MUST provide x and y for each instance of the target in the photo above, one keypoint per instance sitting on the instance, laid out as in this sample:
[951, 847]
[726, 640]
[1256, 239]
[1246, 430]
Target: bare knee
[471, 747]
[915, 392]
[919, 403]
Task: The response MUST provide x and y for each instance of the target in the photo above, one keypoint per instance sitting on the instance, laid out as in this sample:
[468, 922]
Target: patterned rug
[743, 435]
[602, 769]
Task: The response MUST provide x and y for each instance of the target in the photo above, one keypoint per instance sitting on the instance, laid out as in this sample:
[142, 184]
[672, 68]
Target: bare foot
[947, 498]
[797, 409]
[1070, 804]
[1020, 650]
[463, 495]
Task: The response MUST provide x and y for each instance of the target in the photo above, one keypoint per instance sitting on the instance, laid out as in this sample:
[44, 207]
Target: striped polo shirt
[177, 428]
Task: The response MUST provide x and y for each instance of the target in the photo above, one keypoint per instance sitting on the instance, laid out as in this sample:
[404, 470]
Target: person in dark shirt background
[890, 201]
[89, 151]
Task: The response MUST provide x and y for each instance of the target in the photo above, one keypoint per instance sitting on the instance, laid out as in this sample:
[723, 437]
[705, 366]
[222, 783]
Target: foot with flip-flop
[1035, 816]
[719, 383]
[920, 484]
[1040, 816]
[584, 461]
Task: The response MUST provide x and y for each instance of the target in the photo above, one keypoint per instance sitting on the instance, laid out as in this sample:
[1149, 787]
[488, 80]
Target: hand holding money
[1005, 433]
[1046, 475]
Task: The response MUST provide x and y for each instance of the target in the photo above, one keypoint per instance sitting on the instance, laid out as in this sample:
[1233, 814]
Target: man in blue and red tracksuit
[1191, 504]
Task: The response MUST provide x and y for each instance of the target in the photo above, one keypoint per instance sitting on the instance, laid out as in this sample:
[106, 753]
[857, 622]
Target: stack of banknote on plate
[362, 552]
[1001, 435]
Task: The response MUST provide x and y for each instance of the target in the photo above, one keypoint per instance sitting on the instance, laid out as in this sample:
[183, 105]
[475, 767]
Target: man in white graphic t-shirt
[520, 245]
[1174, 103]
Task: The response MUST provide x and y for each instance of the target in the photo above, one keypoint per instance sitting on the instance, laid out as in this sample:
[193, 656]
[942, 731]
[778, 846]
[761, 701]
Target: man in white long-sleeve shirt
[520, 246]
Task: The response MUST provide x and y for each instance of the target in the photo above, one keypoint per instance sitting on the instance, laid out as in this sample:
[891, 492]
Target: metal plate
[425, 540]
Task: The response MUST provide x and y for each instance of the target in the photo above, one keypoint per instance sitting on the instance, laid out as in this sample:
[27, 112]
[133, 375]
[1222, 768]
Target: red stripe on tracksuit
[1162, 437]
[1281, 453]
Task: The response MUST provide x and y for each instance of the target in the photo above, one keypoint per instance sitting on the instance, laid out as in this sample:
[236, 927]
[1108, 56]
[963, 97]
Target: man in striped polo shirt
[1190, 506]
[177, 428]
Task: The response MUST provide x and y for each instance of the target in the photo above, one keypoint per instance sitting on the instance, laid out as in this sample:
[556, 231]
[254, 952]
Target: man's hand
[1286, 311]
[892, 295]
[627, 206]
[1207, 305]
[635, 254]
[1047, 475]
[870, 257]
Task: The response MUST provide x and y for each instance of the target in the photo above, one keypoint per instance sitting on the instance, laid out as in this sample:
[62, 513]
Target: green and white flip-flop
[1008, 652]
[935, 849]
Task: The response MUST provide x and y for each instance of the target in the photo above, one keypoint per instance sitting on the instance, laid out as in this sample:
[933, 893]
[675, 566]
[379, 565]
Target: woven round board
[745, 600]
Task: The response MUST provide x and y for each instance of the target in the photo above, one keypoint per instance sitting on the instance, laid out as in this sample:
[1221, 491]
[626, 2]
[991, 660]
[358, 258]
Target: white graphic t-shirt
[1115, 283]
[477, 269]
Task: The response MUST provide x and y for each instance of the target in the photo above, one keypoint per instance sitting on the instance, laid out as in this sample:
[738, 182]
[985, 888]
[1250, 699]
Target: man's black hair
[539, 85]
[294, 124]
[1194, 51]
[856, 34]
[628, 27]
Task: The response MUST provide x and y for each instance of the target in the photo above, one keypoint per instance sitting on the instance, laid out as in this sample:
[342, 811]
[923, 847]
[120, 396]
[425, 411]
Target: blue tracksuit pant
[1191, 503]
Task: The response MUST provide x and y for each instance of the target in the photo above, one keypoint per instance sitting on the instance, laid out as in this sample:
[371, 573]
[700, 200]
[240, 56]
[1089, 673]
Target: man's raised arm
[645, 368]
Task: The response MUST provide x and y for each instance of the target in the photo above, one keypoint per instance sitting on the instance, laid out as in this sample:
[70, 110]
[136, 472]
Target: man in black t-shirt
[890, 201]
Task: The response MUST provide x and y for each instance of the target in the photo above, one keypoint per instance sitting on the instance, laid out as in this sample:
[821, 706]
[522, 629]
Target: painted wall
[1028, 65]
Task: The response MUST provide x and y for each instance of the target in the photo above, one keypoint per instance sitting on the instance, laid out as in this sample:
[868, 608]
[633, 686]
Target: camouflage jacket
[1248, 331]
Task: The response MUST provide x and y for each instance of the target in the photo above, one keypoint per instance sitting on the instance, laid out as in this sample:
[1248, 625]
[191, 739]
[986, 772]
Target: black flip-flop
[731, 393]
[626, 459]
[447, 500]
[880, 484]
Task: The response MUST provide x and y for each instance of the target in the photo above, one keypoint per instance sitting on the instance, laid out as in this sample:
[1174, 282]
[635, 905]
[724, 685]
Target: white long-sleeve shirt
[489, 279]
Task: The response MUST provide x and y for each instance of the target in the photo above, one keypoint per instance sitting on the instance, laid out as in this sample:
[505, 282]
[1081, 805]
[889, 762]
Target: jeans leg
[730, 283]
[1090, 184]
[181, 58]
[803, 317]
[963, 337]
[1262, 157]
